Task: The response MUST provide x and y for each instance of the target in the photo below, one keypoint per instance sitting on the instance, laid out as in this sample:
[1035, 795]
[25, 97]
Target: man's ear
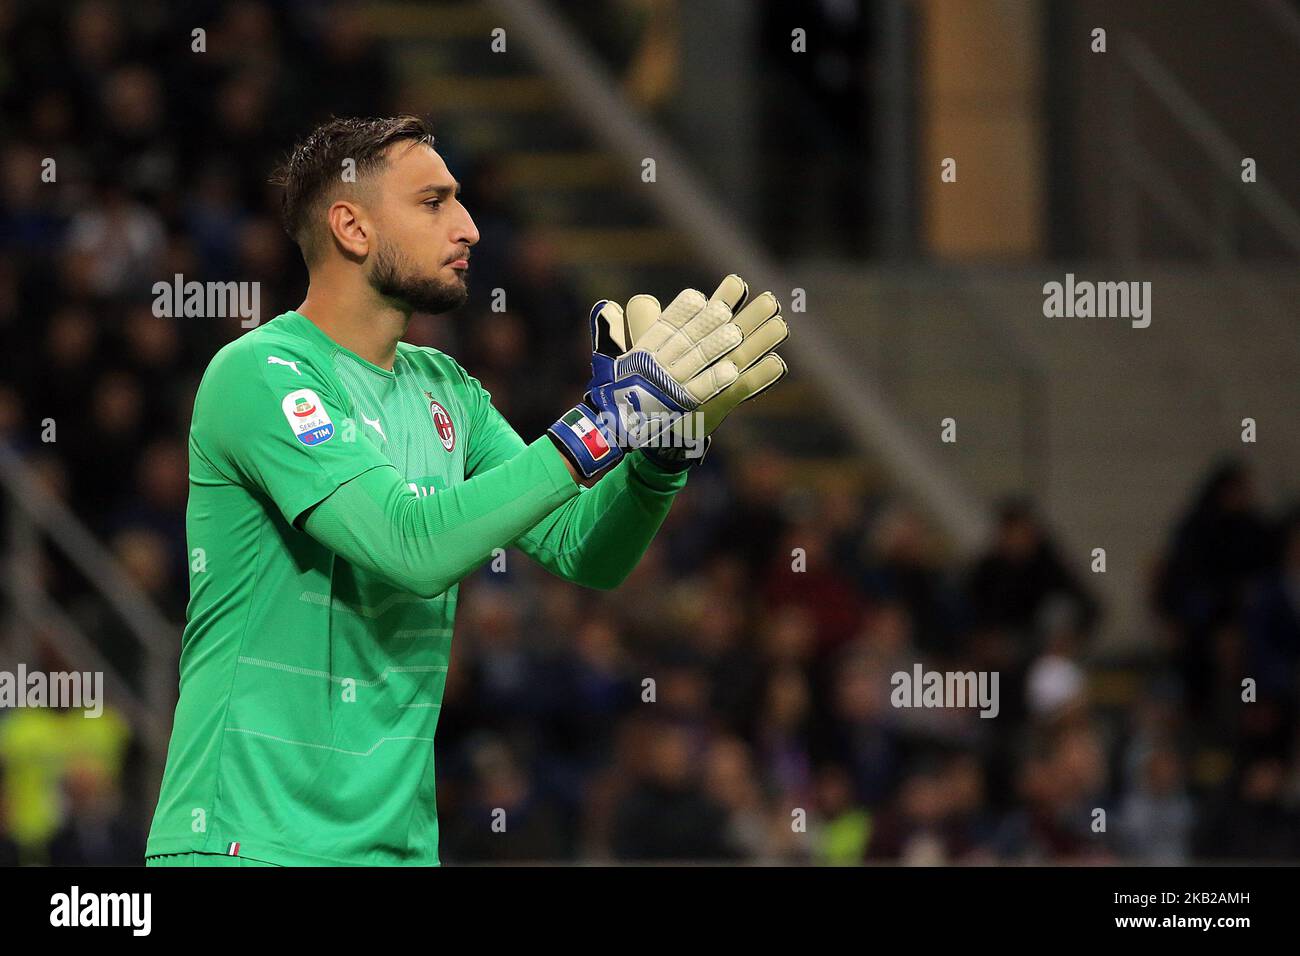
[350, 228]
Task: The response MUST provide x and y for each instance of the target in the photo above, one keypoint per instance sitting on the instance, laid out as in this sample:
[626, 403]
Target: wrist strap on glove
[584, 442]
[676, 459]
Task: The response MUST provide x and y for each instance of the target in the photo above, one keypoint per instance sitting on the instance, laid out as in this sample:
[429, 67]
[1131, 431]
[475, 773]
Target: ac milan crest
[442, 423]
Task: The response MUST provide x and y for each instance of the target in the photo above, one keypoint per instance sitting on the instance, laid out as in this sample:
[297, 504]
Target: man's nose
[468, 232]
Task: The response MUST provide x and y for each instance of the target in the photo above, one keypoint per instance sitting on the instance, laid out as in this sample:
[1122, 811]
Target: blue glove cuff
[589, 446]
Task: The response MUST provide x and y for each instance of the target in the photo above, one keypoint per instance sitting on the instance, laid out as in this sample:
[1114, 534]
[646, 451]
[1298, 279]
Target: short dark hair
[313, 169]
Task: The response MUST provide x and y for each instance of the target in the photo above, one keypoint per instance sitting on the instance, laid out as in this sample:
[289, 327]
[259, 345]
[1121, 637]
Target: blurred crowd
[731, 701]
[773, 737]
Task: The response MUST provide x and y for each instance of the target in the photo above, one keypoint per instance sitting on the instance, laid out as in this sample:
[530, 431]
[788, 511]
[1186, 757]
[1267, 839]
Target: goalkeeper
[343, 481]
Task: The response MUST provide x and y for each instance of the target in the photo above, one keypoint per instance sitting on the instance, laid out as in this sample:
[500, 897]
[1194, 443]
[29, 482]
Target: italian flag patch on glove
[587, 433]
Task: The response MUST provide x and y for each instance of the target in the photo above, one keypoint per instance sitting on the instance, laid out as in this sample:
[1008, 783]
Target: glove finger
[757, 312]
[757, 344]
[717, 311]
[720, 308]
[680, 311]
[651, 330]
[609, 329]
[733, 290]
[712, 381]
[751, 383]
[701, 355]
[712, 319]
[642, 312]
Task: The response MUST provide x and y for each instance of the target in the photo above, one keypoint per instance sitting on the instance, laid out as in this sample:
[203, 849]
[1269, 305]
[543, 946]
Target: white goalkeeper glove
[756, 366]
[637, 394]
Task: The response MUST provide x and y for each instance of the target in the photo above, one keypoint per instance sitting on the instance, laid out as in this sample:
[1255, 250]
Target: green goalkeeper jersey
[310, 688]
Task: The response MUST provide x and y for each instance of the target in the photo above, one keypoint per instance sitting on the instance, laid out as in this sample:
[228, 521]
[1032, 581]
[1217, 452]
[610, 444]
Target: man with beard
[343, 481]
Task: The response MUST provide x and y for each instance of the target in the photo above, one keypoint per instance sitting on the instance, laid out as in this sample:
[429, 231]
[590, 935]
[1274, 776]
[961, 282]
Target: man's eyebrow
[441, 191]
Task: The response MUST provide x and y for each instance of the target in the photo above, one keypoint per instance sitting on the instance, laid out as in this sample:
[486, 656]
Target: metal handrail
[72, 643]
[34, 509]
[1210, 136]
[1143, 173]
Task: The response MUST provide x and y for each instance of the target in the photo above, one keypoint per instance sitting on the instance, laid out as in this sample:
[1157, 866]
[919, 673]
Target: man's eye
[433, 203]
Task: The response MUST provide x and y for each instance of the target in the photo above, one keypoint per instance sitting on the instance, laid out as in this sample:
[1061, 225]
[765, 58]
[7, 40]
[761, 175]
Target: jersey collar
[311, 330]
